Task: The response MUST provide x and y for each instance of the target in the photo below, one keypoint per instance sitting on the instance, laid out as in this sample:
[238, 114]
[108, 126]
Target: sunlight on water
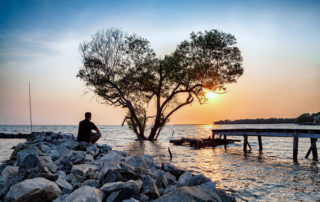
[271, 175]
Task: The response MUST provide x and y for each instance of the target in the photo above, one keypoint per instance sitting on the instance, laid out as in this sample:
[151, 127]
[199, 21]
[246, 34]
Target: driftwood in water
[12, 136]
[200, 142]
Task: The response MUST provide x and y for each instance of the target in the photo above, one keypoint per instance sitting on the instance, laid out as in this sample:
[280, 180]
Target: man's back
[85, 128]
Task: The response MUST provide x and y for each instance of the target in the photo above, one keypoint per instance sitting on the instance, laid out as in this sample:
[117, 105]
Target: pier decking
[313, 134]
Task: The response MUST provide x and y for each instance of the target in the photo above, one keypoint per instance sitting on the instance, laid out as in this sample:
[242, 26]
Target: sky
[39, 43]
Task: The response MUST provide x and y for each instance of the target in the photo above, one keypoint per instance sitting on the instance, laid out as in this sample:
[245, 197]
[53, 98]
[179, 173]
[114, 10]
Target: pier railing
[313, 134]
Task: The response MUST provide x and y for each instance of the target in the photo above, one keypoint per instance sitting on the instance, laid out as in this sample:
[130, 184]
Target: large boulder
[185, 178]
[33, 163]
[108, 166]
[8, 172]
[150, 188]
[36, 189]
[25, 152]
[85, 194]
[132, 185]
[113, 156]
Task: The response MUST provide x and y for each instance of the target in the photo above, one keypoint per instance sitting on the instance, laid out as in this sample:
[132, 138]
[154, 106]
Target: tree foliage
[124, 71]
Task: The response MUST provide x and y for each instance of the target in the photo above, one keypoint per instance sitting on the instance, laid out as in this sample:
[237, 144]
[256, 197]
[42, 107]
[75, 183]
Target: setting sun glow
[210, 95]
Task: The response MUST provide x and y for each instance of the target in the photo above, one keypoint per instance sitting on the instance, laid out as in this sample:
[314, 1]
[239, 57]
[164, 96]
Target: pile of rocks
[55, 167]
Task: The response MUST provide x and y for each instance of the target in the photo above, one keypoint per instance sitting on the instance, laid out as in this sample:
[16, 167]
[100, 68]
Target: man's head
[87, 115]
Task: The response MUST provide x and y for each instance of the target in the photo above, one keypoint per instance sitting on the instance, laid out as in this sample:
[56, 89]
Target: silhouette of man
[85, 130]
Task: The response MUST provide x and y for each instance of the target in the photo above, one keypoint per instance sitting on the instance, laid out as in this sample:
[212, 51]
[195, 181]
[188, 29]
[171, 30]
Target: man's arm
[95, 127]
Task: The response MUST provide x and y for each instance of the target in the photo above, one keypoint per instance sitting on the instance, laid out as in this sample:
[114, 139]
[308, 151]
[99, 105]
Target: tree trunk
[153, 132]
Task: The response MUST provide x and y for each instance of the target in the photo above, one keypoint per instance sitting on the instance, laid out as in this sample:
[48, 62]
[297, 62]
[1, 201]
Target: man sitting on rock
[85, 133]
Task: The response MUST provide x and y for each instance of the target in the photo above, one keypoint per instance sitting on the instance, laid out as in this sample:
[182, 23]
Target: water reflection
[156, 149]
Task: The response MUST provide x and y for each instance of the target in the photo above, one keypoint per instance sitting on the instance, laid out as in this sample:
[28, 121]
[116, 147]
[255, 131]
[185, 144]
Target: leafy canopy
[124, 71]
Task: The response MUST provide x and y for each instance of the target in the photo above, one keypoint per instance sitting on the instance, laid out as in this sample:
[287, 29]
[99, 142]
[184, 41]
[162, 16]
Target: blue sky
[39, 42]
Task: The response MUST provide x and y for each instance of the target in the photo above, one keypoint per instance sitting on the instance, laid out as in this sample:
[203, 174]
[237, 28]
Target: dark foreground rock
[55, 167]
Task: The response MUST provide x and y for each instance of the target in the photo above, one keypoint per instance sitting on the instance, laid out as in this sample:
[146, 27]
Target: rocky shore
[55, 167]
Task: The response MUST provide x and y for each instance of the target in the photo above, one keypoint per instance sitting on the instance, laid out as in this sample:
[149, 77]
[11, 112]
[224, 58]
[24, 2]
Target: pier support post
[313, 149]
[245, 143]
[260, 143]
[295, 147]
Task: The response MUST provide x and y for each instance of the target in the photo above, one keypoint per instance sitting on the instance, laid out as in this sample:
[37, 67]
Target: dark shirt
[85, 128]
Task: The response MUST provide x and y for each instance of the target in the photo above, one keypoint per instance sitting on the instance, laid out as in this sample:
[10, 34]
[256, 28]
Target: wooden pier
[313, 134]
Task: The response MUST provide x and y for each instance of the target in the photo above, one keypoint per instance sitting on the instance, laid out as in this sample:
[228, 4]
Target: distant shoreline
[258, 121]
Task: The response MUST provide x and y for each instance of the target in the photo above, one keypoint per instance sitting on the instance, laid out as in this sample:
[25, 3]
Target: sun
[210, 95]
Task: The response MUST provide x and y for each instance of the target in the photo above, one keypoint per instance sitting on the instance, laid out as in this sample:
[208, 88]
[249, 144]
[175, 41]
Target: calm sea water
[270, 176]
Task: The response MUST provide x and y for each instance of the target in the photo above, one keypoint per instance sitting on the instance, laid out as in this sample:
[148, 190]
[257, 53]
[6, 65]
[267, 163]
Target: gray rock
[64, 164]
[161, 178]
[210, 188]
[171, 178]
[132, 185]
[105, 167]
[78, 157]
[89, 158]
[60, 198]
[33, 163]
[143, 197]
[82, 169]
[121, 195]
[54, 154]
[91, 183]
[105, 148]
[64, 151]
[113, 156]
[140, 161]
[37, 189]
[131, 200]
[118, 175]
[92, 147]
[150, 188]
[85, 194]
[185, 193]
[25, 152]
[47, 159]
[64, 185]
[172, 169]
[18, 148]
[198, 179]
[52, 167]
[61, 174]
[185, 178]
[8, 172]
[170, 188]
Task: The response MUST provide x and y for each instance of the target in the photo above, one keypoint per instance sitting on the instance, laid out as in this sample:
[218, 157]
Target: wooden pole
[30, 107]
[295, 147]
[245, 142]
[314, 148]
[260, 143]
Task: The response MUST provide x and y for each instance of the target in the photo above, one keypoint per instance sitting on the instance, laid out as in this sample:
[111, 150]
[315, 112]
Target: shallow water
[270, 175]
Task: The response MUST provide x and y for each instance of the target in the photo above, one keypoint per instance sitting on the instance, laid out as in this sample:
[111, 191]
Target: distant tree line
[257, 121]
[307, 118]
[303, 118]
